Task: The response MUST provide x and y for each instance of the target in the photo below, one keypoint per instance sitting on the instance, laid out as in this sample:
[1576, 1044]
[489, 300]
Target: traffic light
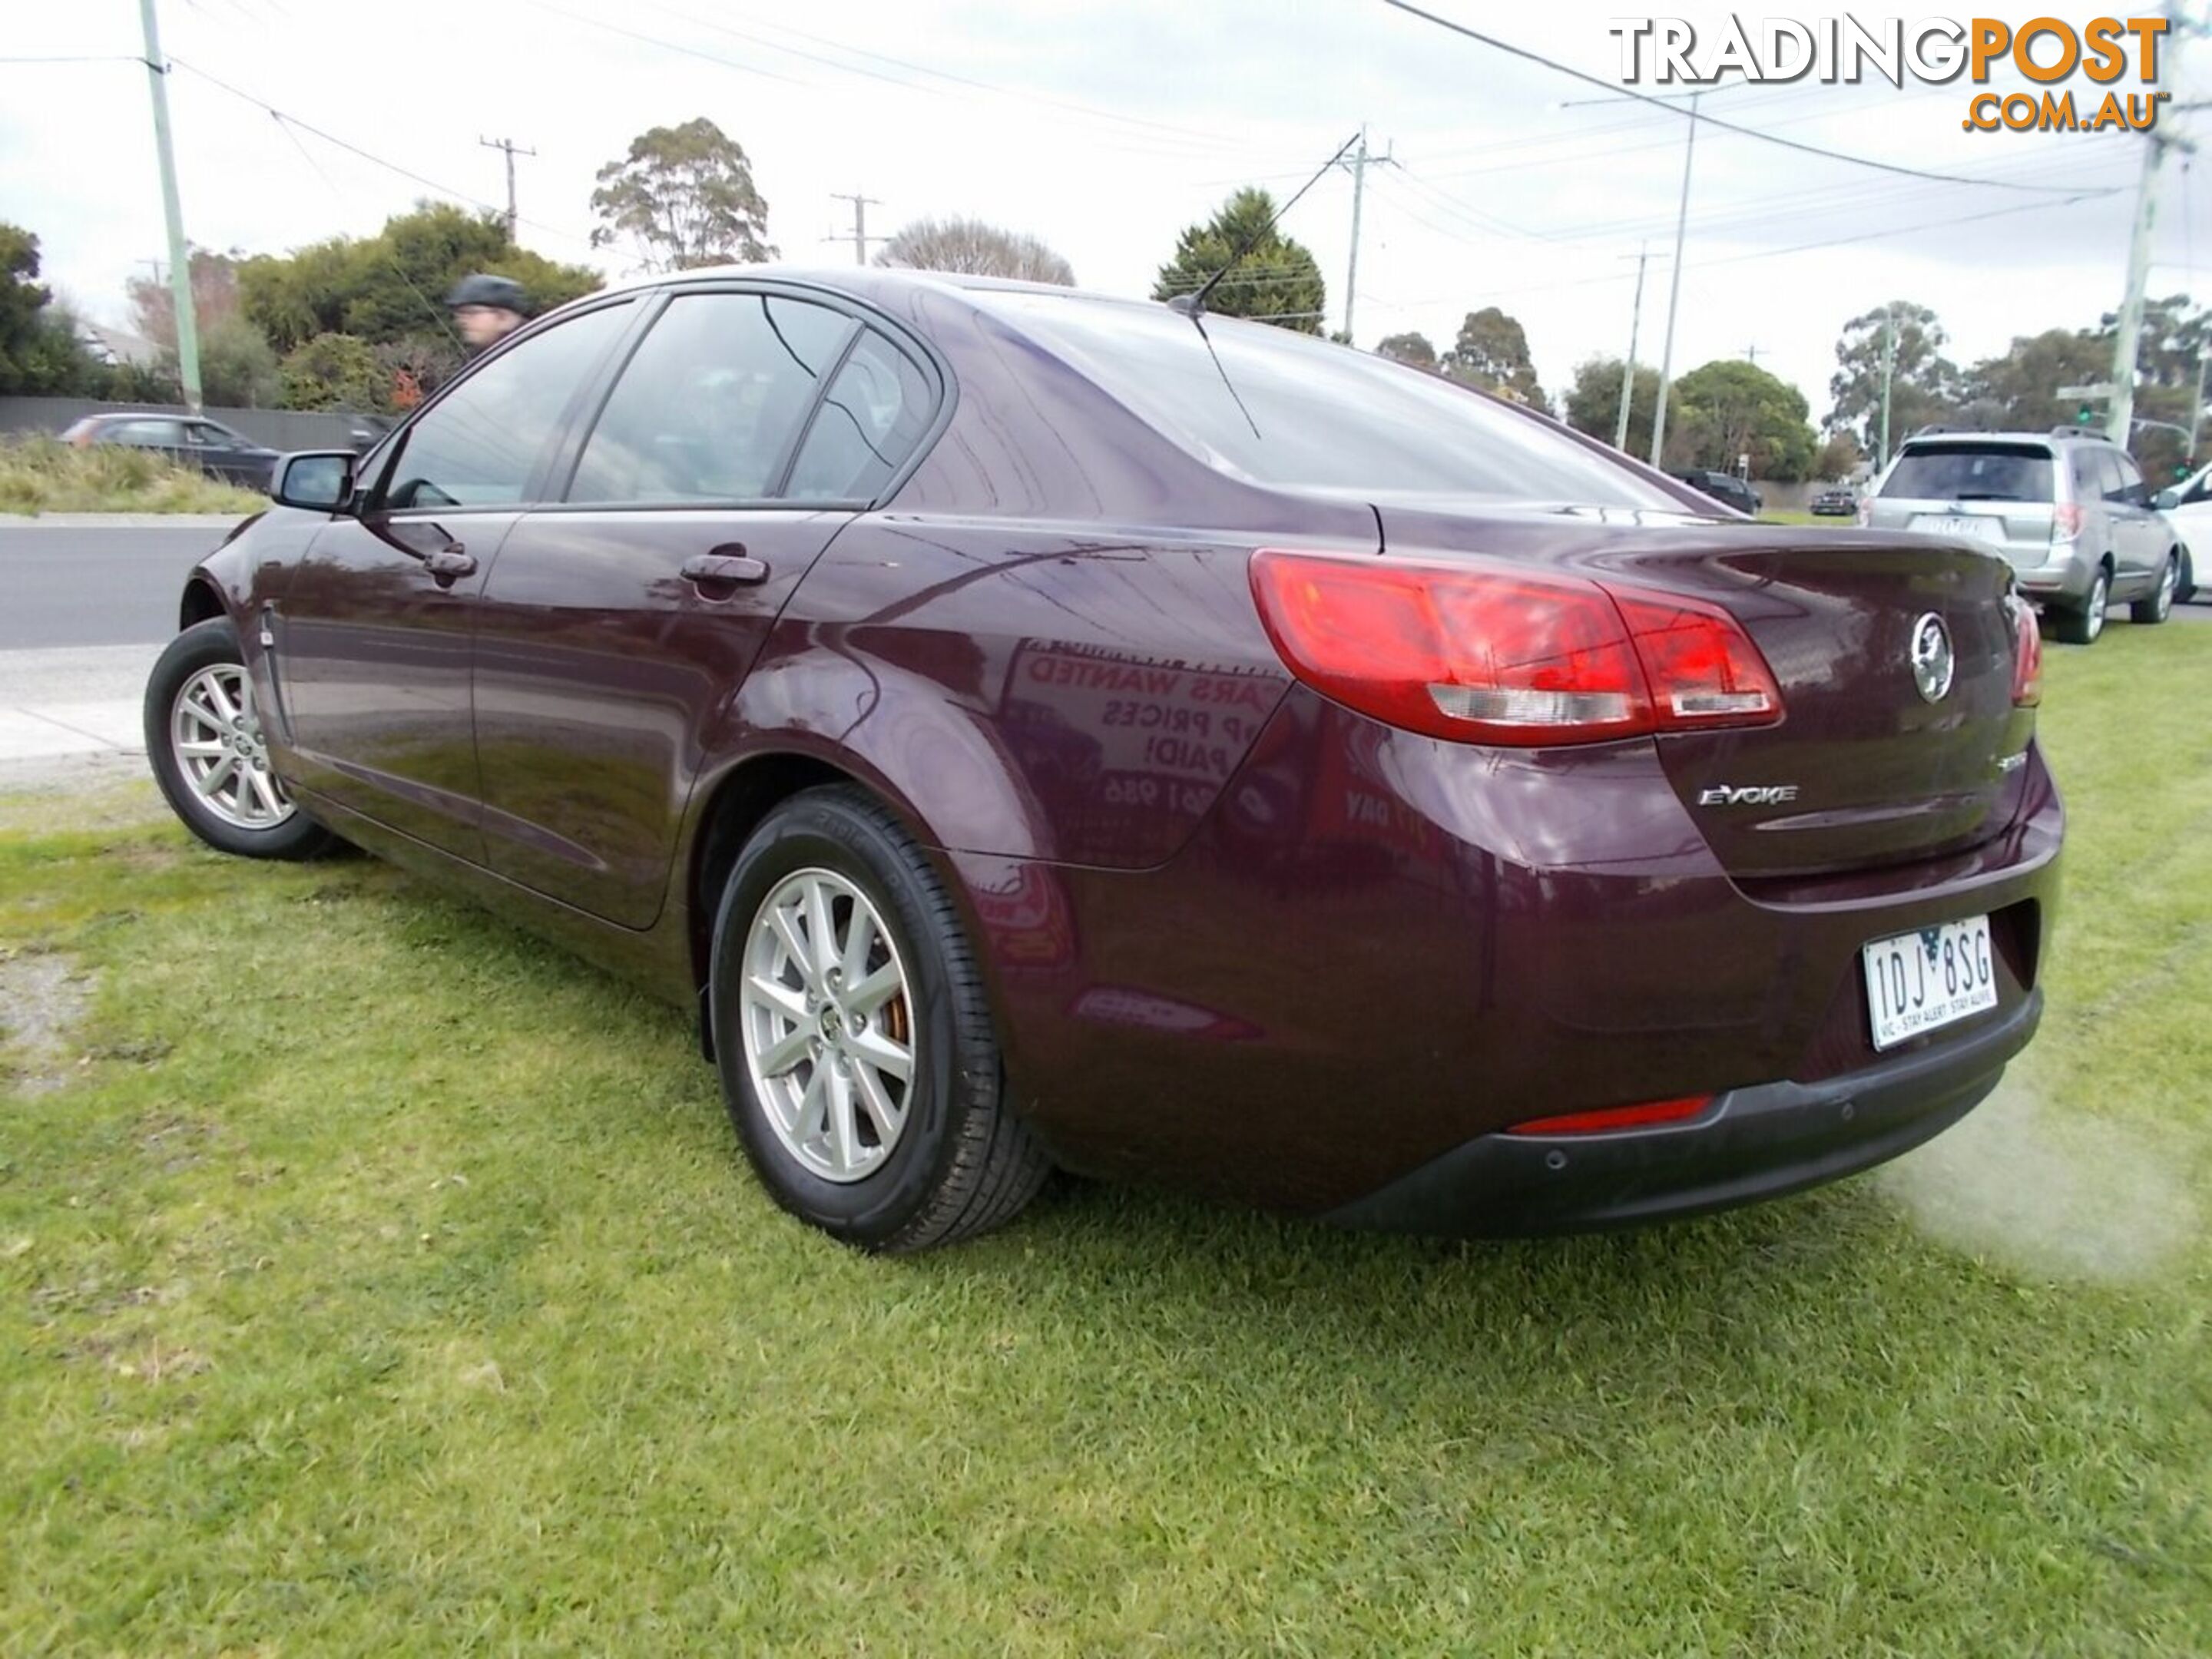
[2084, 415]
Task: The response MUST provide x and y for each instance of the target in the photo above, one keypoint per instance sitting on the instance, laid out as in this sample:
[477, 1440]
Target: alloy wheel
[2101, 600]
[215, 738]
[2169, 580]
[825, 1018]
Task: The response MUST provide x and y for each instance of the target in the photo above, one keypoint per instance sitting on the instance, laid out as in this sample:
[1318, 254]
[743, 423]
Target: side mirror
[2166, 499]
[318, 480]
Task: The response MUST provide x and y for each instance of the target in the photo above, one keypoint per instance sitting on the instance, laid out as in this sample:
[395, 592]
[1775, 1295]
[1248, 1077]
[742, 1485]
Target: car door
[2138, 540]
[747, 427]
[221, 454]
[161, 433]
[370, 642]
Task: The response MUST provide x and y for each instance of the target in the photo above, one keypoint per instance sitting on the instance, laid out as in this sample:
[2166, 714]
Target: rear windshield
[1971, 473]
[1314, 413]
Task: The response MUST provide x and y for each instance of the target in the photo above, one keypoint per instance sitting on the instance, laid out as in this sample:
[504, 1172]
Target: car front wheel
[203, 739]
[858, 1057]
[2159, 605]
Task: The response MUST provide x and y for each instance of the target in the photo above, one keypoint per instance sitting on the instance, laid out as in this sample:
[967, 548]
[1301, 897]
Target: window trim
[934, 370]
[368, 494]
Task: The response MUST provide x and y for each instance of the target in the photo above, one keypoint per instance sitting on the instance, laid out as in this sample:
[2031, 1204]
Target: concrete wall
[279, 428]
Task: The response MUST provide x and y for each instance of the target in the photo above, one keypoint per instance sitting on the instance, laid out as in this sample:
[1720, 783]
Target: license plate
[1919, 981]
[1975, 526]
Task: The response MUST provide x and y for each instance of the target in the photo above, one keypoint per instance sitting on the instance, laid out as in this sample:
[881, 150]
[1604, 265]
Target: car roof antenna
[1193, 305]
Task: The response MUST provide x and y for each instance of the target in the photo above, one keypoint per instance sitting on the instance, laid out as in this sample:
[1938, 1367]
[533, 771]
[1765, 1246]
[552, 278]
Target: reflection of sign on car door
[1139, 738]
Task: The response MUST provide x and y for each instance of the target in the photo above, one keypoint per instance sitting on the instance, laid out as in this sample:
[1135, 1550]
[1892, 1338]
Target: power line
[285, 119]
[1507, 46]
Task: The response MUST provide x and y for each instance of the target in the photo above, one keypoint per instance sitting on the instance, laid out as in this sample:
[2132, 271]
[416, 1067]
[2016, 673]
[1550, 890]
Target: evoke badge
[1933, 659]
[1748, 795]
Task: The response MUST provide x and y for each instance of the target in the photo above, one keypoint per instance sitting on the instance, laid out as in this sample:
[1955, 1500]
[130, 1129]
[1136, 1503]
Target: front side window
[479, 445]
[711, 402]
[2131, 480]
[1289, 409]
[878, 407]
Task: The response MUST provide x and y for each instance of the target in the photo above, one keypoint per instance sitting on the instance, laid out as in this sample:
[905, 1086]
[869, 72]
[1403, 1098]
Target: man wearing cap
[488, 308]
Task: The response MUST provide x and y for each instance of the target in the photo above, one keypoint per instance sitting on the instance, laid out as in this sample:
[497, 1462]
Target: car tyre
[2184, 587]
[787, 997]
[2159, 604]
[204, 741]
[2083, 625]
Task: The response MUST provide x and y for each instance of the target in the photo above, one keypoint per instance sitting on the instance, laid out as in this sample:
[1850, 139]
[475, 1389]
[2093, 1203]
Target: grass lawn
[374, 1279]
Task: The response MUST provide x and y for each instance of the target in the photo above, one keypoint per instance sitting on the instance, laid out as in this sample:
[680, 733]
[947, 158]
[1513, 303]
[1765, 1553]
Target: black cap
[501, 293]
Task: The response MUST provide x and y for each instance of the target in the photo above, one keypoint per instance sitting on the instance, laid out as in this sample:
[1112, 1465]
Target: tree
[40, 350]
[1593, 402]
[685, 198]
[2020, 390]
[1730, 408]
[214, 296]
[1412, 349]
[335, 371]
[1924, 384]
[1838, 458]
[389, 289]
[1492, 352]
[1277, 281]
[974, 249]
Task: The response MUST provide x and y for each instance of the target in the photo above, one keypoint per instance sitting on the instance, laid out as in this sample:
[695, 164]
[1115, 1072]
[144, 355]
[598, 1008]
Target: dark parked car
[1031, 730]
[1838, 504]
[207, 445]
[1723, 487]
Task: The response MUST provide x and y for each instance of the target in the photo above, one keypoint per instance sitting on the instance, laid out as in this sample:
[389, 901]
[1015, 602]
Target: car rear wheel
[2082, 627]
[203, 740]
[2159, 604]
[2185, 589]
[857, 1053]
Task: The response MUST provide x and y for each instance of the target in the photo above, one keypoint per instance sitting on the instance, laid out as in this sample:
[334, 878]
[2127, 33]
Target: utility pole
[1628, 369]
[1674, 293]
[860, 237]
[181, 264]
[2196, 411]
[1357, 165]
[2127, 342]
[512, 150]
[1751, 353]
[1888, 373]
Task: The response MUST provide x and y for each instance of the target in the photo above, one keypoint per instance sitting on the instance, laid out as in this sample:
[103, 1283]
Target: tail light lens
[1483, 656]
[1644, 1115]
[2027, 653]
[1866, 510]
[2065, 521]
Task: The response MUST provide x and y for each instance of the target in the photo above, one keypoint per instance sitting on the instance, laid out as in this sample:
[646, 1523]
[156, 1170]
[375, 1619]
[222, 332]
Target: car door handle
[728, 566]
[449, 564]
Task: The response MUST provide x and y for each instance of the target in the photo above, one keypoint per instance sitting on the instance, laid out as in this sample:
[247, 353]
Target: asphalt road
[78, 585]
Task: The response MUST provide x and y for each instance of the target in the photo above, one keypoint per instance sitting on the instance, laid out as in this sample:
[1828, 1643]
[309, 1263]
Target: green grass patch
[375, 1279]
[39, 474]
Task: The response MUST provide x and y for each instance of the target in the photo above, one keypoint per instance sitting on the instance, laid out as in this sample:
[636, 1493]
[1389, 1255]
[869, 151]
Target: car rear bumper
[1751, 1144]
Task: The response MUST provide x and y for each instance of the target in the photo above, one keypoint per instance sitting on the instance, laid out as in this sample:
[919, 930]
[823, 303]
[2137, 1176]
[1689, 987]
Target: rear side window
[158, 434]
[479, 445]
[1290, 410]
[876, 412]
[711, 403]
[2130, 482]
[1971, 473]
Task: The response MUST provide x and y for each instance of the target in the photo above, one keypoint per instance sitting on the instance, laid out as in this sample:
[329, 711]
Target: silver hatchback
[2069, 512]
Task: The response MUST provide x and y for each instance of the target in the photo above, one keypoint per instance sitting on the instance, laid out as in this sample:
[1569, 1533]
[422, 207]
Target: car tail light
[1484, 656]
[1609, 1118]
[2065, 521]
[2027, 653]
[1865, 511]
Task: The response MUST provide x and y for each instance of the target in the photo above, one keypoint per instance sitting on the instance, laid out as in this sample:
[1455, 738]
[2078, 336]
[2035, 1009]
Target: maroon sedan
[1040, 729]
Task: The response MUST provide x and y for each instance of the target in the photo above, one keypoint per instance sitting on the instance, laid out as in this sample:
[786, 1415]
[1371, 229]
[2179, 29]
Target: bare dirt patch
[43, 995]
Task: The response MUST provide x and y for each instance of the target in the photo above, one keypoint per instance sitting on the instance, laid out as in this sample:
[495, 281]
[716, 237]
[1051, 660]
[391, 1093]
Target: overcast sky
[1104, 126]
